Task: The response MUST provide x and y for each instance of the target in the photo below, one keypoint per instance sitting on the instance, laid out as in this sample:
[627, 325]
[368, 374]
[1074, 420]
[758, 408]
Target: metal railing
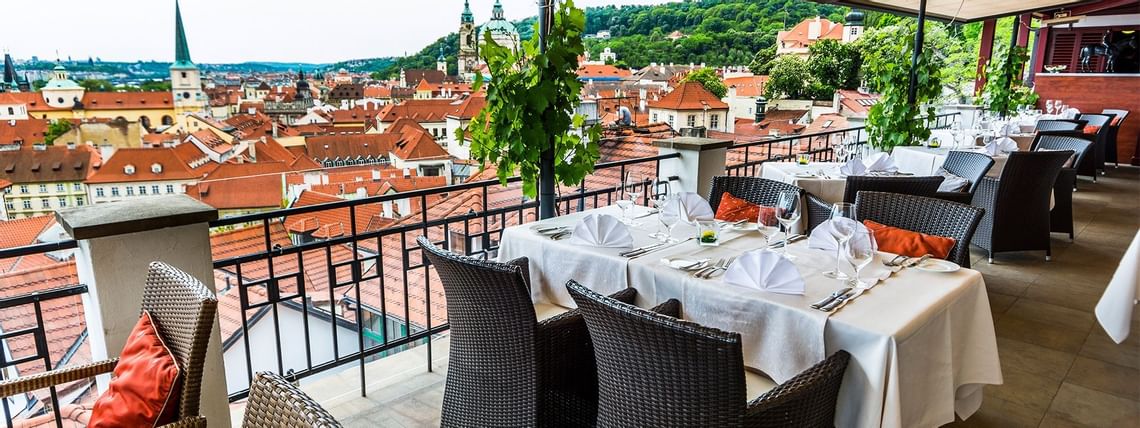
[365, 308]
[820, 147]
[33, 326]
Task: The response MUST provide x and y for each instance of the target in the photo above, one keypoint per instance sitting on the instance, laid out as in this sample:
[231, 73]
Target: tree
[56, 129]
[97, 85]
[894, 120]
[762, 60]
[38, 84]
[707, 77]
[834, 65]
[155, 86]
[788, 78]
[530, 107]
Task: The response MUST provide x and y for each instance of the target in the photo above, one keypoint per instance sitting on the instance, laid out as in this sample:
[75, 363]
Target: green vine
[893, 121]
[1003, 92]
[531, 99]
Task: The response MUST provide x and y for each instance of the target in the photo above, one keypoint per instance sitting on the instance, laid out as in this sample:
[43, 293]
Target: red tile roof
[856, 103]
[173, 167]
[256, 192]
[63, 318]
[747, 86]
[23, 132]
[364, 213]
[415, 143]
[434, 110]
[350, 146]
[377, 92]
[128, 100]
[48, 164]
[356, 114]
[798, 36]
[18, 233]
[586, 71]
[211, 141]
[689, 96]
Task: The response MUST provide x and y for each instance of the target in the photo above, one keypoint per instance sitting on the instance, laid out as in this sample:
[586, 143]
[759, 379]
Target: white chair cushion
[756, 384]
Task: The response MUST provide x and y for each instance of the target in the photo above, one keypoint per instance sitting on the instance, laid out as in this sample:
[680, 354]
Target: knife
[839, 301]
[652, 212]
[791, 240]
[830, 297]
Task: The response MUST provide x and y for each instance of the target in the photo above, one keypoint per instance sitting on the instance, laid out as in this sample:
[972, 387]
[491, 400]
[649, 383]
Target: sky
[228, 31]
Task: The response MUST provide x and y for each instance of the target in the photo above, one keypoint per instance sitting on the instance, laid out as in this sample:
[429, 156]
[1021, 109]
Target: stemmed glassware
[1049, 106]
[669, 208]
[859, 251]
[841, 149]
[788, 214]
[628, 191]
[844, 224]
[767, 224]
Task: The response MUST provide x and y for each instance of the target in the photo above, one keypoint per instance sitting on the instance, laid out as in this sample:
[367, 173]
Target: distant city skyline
[228, 31]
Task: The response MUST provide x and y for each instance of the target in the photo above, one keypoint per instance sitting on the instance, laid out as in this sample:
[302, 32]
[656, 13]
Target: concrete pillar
[701, 159]
[116, 243]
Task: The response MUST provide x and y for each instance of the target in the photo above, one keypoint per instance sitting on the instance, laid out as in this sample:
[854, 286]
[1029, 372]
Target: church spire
[497, 10]
[181, 50]
[467, 16]
[9, 71]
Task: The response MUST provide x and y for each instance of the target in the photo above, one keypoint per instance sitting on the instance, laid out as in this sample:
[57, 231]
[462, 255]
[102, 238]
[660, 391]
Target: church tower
[185, 78]
[468, 52]
[441, 61]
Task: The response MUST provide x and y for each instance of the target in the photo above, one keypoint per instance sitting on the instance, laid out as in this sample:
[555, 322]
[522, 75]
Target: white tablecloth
[1114, 310]
[926, 161]
[922, 343]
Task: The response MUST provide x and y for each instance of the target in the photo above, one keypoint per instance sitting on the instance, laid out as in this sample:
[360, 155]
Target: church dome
[855, 18]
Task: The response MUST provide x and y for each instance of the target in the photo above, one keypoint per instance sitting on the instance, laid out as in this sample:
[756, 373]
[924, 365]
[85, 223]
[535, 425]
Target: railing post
[117, 241]
[701, 159]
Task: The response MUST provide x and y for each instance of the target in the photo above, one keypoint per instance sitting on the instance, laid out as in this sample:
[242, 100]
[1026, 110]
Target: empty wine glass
[859, 250]
[841, 149]
[671, 214]
[1049, 106]
[844, 224]
[788, 214]
[661, 202]
[767, 224]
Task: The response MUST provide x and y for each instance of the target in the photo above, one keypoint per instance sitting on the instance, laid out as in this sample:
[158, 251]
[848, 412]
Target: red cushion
[1091, 129]
[1116, 120]
[907, 243]
[144, 390]
[732, 208]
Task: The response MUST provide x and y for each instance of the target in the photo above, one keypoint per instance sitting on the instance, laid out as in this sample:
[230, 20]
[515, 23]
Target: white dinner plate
[938, 265]
[805, 175]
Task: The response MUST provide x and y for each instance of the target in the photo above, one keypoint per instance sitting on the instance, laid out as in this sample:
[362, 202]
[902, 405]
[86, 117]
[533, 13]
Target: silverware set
[641, 251]
[708, 271]
[791, 240]
[842, 296]
[555, 232]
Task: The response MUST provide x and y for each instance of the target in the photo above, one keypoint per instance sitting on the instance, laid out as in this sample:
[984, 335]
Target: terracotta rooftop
[688, 96]
[18, 233]
[856, 103]
[747, 86]
[144, 160]
[364, 213]
[23, 132]
[597, 71]
[433, 110]
[350, 146]
[800, 36]
[63, 318]
[47, 164]
[415, 143]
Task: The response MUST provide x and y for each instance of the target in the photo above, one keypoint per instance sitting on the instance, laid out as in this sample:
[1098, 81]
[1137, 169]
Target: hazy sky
[241, 30]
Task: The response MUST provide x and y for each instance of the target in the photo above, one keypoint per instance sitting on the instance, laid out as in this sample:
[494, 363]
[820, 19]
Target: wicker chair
[819, 210]
[969, 165]
[1017, 205]
[925, 215]
[1061, 216]
[505, 367]
[660, 371]
[1095, 163]
[1110, 154]
[1059, 125]
[274, 402]
[761, 191]
[183, 312]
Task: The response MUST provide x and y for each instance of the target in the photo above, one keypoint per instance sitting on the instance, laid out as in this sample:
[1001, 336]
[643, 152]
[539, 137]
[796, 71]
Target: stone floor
[1060, 368]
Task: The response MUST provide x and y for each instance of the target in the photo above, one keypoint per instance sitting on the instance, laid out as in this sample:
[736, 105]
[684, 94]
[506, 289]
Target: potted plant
[531, 97]
[894, 121]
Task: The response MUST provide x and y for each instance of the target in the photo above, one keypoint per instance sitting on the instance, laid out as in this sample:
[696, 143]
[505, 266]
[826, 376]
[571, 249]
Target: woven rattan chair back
[969, 165]
[1095, 119]
[808, 399]
[1119, 114]
[491, 377]
[918, 186]
[1110, 154]
[925, 215]
[1059, 125]
[658, 371]
[760, 191]
[1017, 205]
[183, 311]
[276, 403]
[1077, 142]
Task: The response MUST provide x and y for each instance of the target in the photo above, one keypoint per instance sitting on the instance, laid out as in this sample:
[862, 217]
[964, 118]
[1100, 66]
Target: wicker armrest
[986, 193]
[808, 398]
[959, 197]
[819, 211]
[187, 422]
[25, 384]
[671, 307]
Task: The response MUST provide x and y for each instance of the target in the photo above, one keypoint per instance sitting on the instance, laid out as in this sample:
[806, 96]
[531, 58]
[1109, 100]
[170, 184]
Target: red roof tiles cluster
[47, 164]
[689, 96]
[747, 86]
[18, 233]
[22, 132]
[800, 36]
[182, 162]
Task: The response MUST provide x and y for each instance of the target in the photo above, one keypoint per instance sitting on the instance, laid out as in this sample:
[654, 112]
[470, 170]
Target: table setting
[794, 299]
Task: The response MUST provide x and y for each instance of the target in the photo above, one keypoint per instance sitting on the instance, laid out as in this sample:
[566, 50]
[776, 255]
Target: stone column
[701, 160]
[116, 243]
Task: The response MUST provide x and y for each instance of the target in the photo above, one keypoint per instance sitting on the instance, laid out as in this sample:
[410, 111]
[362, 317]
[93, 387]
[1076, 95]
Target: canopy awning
[959, 10]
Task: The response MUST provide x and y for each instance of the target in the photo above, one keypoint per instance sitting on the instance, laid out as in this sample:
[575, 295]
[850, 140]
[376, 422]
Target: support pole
[919, 36]
[985, 53]
[546, 194]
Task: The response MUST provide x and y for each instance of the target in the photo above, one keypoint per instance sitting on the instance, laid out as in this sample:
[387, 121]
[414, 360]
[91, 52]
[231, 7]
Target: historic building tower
[185, 78]
[468, 45]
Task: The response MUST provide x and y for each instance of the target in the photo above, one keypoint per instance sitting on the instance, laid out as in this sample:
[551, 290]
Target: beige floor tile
[1024, 389]
[999, 303]
[1050, 314]
[996, 412]
[1085, 407]
[1069, 294]
[1002, 284]
[1034, 359]
[1100, 347]
[1039, 333]
[1123, 382]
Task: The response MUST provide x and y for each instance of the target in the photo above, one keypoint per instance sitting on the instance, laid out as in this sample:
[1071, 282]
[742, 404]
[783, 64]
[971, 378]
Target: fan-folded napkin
[692, 205]
[765, 270]
[601, 230]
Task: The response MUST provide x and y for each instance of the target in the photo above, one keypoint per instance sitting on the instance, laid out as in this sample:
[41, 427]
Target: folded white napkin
[1070, 113]
[826, 235]
[881, 162]
[853, 166]
[695, 207]
[765, 270]
[951, 182]
[601, 230]
[1001, 145]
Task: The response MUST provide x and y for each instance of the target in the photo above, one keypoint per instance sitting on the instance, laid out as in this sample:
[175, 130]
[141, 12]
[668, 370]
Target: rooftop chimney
[761, 106]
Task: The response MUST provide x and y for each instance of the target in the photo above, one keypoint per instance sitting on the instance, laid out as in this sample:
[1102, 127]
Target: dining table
[1114, 309]
[920, 160]
[922, 342]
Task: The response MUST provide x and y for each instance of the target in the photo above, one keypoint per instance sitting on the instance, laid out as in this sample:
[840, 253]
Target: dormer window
[156, 168]
[129, 169]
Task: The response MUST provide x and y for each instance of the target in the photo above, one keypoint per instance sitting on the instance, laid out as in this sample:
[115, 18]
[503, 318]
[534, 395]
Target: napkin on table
[695, 207]
[765, 270]
[1001, 145]
[601, 230]
[881, 162]
[853, 167]
[826, 237]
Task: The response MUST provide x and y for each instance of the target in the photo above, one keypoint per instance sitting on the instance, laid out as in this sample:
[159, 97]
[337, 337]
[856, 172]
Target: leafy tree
[894, 121]
[38, 84]
[530, 106]
[155, 86]
[707, 77]
[56, 129]
[834, 65]
[97, 85]
[788, 78]
[1003, 92]
[762, 61]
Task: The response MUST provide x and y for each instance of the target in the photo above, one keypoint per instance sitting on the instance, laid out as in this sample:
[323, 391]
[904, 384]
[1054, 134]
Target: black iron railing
[362, 294]
[31, 326]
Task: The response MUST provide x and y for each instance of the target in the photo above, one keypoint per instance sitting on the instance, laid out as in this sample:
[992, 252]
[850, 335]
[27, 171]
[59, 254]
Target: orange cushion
[144, 390]
[907, 243]
[1091, 129]
[732, 208]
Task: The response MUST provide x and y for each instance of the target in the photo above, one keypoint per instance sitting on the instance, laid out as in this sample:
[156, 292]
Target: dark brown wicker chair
[925, 215]
[276, 403]
[655, 370]
[819, 210]
[969, 165]
[1110, 154]
[505, 367]
[1059, 125]
[1094, 163]
[1017, 205]
[183, 311]
[760, 191]
[1061, 216]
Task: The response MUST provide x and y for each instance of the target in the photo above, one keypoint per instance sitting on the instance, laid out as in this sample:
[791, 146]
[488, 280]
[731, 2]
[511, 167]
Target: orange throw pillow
[907, 243]
[1091, 129]
[735, 209]
[147, 380]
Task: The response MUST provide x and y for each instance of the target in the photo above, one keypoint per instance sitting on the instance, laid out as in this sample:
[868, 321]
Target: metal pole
[919, 36]
[546, 205]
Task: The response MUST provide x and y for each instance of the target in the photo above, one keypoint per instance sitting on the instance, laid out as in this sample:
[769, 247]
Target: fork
[707, 268]
[722, 268]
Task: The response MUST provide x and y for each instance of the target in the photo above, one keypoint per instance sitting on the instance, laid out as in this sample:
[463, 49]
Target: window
[23, 188]
[99, 192]
[654, 118]
[62, 202]
[77, 187]
[45, 203]
[115, 191]
[692, 121]
[11, 110]
[59, 187]
[183, 74]
[10, 206]
[43, 188]
[714, 121]
[27, 205]
[154, 189]
[670, 121]
[142, 190]
[79, 201]
[169, 188]
[130, 191]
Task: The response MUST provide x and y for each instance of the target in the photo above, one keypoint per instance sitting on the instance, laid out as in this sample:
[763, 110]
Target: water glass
[844, 224]
[803, 158]
[859, 251]
[788, 214]
[708, 233]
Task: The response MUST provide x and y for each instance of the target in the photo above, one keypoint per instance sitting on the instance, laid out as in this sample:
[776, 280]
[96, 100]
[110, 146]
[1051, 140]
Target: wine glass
[1049, 106]
[841, 149]
[767, 224]
[660, 202]
[788, 214]
[622, 202]
[859, 251]
[844, 224]
[634, 186]
[671, 214]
